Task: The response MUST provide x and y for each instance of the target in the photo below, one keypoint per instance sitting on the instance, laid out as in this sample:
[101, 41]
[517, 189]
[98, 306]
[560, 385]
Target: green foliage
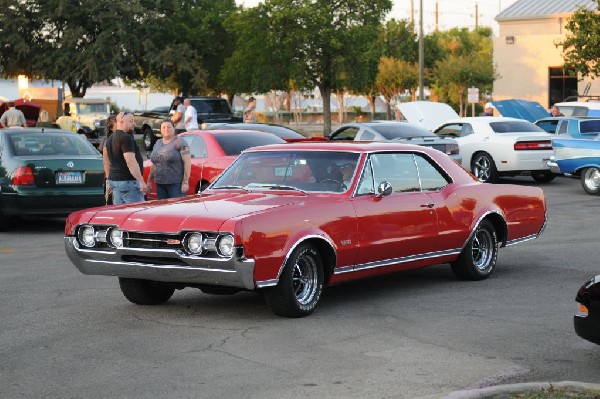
[394, 77]
[581, 46]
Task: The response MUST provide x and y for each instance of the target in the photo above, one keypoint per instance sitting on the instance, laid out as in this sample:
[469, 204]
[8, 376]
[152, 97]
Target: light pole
[421, 54]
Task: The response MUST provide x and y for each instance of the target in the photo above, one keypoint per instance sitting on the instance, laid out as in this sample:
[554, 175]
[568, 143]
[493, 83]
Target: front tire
[300, 284]
[477, 260]
[145, 292]
[484, 168]
[590, 180]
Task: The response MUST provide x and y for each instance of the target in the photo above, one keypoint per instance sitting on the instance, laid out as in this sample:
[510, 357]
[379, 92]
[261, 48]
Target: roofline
[533, 17]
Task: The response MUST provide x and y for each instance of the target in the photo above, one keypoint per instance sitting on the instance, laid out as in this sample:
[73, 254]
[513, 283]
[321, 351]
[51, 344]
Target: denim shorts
[164, 191]
[125, 191]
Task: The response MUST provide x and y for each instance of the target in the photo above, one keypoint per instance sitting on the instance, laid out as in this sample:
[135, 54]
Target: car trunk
[62, 172]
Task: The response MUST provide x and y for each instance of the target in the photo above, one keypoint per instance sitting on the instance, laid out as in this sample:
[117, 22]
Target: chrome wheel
[590, 180]
[483, 168]
[304, 279]
[482, 249]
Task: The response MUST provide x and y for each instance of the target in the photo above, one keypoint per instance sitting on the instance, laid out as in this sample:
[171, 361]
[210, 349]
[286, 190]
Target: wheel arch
[499, 223]
[325, 249]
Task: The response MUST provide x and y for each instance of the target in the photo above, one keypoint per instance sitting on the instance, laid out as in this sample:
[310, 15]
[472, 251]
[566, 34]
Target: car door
[399, 225]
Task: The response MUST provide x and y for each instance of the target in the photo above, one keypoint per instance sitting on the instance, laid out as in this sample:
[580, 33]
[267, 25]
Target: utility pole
[412, 12]
[421, 54]
[437, 14]
[476, 15]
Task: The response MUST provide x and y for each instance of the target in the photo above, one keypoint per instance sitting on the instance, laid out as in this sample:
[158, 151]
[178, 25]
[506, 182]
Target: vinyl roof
[535, 9]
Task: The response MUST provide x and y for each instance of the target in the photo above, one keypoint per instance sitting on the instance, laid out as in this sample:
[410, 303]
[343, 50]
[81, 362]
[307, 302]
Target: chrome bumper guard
[553, 166]
[234, 272]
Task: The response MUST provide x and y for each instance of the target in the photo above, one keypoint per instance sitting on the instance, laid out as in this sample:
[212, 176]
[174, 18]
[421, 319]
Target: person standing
[190, 116]
[554, 111]
[178, 116]
[123, 160]
[171, 164]
[111, 126]
[488, 110]
[13, 117]
[250, 111]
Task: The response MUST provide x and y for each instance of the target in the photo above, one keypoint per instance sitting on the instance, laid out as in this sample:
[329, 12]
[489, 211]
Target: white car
[491, 147]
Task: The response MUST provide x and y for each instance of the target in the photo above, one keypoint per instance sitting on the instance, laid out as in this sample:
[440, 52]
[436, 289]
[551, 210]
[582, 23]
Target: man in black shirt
[124, 163]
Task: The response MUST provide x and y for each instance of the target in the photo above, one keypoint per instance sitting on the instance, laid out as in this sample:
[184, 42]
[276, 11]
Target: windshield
[216, 106]
[102, 108]
[309, 171]
[515, 127]
[28, 144]
[401, 131]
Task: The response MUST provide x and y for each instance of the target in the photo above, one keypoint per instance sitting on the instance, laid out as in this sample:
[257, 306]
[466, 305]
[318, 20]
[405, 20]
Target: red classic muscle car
[287, 220]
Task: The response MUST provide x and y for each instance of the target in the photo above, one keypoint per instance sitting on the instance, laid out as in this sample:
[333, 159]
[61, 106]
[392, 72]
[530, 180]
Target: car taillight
[533, 145]
[23, 177]
[451, 149]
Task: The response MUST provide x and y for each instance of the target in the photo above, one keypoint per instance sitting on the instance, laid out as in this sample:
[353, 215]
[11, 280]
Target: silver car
[398, 132]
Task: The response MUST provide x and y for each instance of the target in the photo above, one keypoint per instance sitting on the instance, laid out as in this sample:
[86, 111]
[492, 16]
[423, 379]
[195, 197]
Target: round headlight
[115, 238]
[194, 243]
[225, 245]
[87, 236]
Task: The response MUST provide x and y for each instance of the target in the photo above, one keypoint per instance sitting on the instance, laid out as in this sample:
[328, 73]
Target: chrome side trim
[267, 283]
[396, 261]
[520, 240]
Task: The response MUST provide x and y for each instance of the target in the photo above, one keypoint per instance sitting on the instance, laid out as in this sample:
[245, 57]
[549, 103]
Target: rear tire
[590, 180]
[484, 168]
[148, 138]
[543, 177]
[477, 260]
[145, 292]
[300, 284]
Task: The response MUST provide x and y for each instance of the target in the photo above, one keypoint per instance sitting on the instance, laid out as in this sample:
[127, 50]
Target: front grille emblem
[171, 241]
[70, 164]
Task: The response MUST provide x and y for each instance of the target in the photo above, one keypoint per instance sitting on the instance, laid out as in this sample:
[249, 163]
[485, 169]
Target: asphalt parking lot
[416, 334]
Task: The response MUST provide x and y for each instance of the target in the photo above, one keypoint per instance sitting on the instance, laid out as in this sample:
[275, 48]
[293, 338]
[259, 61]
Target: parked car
[85, 116]
[490, 147]
[287, 220]
[587, 318]
[47, 172]
[148, 123]
[577, 157]
[30, 109]
[288, 134]
[580, 108]
[396, 131]
[213, 151]
[574, 127]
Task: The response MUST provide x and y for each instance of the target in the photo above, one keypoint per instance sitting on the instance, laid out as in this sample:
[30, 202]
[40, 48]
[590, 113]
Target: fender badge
[70, 164]
[172, 241]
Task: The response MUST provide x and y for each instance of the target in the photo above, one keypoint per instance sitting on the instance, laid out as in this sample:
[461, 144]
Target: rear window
[32, 144]
[590, 127]
[216, 106]
[235, 143]
[401, 131]
[515, 127]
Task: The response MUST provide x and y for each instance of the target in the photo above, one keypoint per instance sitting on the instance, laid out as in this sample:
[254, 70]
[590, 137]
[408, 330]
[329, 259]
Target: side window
[467, 129]
[451, 130]
[431, 179]
[197, 146]
[562, 128]
[366, 180]
[399, 169]
[366, 135]
[346, 134]
[549, 126]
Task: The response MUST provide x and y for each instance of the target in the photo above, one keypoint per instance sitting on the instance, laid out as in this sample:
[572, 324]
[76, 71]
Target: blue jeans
[125, 191]
[164, 191]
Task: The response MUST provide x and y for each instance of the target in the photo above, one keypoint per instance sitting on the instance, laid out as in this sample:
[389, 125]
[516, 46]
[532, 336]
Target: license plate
[69, 178]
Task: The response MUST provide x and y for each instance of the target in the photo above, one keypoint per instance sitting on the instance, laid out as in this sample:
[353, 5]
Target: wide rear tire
[543, 177]
[300, 284]
[590, 180]
[477, 260]
[145, 292]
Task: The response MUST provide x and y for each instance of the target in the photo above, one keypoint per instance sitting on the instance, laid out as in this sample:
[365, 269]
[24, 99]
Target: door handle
[429, 205]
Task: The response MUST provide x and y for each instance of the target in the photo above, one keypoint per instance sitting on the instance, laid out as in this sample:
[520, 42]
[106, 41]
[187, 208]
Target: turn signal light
[533, 145]
[23, 177]
[582, 310]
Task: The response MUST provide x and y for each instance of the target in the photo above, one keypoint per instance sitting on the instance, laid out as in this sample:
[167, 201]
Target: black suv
[213, 110]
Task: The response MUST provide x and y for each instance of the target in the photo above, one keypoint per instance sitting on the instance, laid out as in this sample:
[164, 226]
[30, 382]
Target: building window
[562, 84]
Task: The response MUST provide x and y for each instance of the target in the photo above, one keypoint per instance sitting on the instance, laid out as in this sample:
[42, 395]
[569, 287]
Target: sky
[451, 13]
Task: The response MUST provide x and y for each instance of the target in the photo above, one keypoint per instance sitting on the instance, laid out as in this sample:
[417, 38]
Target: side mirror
[384, 189]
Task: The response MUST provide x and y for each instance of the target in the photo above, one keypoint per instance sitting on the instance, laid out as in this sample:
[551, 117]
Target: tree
[581, 45]
[318, 43]
[395, 77]
[77, 42]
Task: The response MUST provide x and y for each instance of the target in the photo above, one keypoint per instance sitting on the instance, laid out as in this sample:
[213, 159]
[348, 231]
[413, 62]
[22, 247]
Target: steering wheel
[340, 184]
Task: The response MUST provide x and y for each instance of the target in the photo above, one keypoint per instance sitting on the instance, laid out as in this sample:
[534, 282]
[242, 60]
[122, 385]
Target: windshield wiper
[274, 187]
[229, 188]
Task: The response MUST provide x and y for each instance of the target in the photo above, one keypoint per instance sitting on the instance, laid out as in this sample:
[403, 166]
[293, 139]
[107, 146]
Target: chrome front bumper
[553, 166]
[235, 272]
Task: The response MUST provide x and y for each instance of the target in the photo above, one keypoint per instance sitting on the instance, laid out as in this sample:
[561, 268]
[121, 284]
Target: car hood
[428, 114]
[521, 109]
[199, 212]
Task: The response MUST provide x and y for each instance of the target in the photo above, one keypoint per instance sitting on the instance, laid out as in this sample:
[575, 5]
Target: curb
[503, 391]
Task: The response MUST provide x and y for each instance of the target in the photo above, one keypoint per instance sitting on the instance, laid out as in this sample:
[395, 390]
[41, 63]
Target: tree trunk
[372, 102]
[325, 91]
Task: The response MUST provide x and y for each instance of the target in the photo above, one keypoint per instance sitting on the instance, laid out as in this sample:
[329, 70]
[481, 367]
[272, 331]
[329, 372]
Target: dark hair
[11, 103]
[251, 99]
[166, 120]
[178, 98]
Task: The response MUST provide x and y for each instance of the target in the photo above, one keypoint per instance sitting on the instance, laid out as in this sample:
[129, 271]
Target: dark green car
[47, 172]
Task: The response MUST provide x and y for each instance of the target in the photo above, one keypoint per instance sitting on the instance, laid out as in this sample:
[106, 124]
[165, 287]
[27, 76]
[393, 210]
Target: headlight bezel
[84, 231]
[197, 238]
[115, 242]
[225, 245]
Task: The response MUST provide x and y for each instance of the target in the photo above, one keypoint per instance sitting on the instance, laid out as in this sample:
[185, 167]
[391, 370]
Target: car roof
[484, 119]
[586, 104]
[33, 130]
[344, 146]
[87, 100]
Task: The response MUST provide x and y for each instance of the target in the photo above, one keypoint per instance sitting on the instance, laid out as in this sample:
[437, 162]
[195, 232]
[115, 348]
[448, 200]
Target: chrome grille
[153, 240]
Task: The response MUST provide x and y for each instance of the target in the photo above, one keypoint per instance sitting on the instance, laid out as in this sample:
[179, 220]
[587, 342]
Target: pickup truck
[209, 109]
